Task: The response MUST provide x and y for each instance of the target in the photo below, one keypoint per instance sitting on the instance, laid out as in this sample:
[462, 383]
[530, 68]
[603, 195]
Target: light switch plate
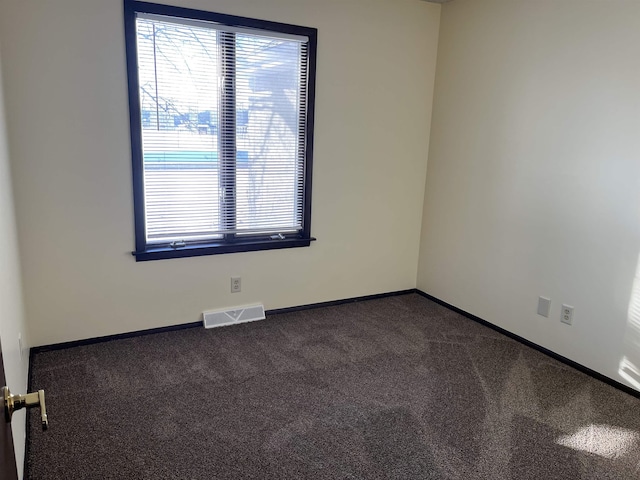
[544, 306]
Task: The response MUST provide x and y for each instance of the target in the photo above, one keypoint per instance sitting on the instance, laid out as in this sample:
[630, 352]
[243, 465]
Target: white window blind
[223, 119]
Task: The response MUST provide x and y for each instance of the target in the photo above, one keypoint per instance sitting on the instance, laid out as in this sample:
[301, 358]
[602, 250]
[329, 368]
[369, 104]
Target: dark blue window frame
[143, 250]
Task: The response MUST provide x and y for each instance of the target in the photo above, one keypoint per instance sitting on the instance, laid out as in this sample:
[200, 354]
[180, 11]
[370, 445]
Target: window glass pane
[178, 75]
[269, 174]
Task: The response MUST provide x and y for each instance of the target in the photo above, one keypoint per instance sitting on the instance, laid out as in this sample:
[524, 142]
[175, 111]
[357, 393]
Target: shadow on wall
[630, 363]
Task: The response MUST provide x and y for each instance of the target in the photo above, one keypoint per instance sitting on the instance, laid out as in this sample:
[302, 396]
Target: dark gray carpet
[397, 388]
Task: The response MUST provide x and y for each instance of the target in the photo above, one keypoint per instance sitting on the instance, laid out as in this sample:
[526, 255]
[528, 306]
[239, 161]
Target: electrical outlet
[236, 284]
[566, 315]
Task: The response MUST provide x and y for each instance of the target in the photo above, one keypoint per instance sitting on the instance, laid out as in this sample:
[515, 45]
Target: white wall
[67, 108]
[533, 185]
[12, 324]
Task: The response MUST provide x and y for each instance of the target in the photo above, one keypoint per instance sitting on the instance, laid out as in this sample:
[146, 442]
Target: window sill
[164, 252]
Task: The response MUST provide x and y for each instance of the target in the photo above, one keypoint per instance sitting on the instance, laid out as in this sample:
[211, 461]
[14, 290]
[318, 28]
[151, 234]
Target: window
[221, 112]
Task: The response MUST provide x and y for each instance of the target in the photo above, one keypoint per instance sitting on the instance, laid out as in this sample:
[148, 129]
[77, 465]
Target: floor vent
[233, 315]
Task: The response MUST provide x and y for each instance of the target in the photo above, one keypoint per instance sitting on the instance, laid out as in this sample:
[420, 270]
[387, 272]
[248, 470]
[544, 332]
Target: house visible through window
[221, 111]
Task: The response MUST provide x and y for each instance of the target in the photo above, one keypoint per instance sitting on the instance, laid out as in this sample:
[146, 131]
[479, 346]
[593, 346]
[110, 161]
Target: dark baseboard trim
[108, 338]
[140, 333]
[334, 303]
[528, 343]
[524, 341]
